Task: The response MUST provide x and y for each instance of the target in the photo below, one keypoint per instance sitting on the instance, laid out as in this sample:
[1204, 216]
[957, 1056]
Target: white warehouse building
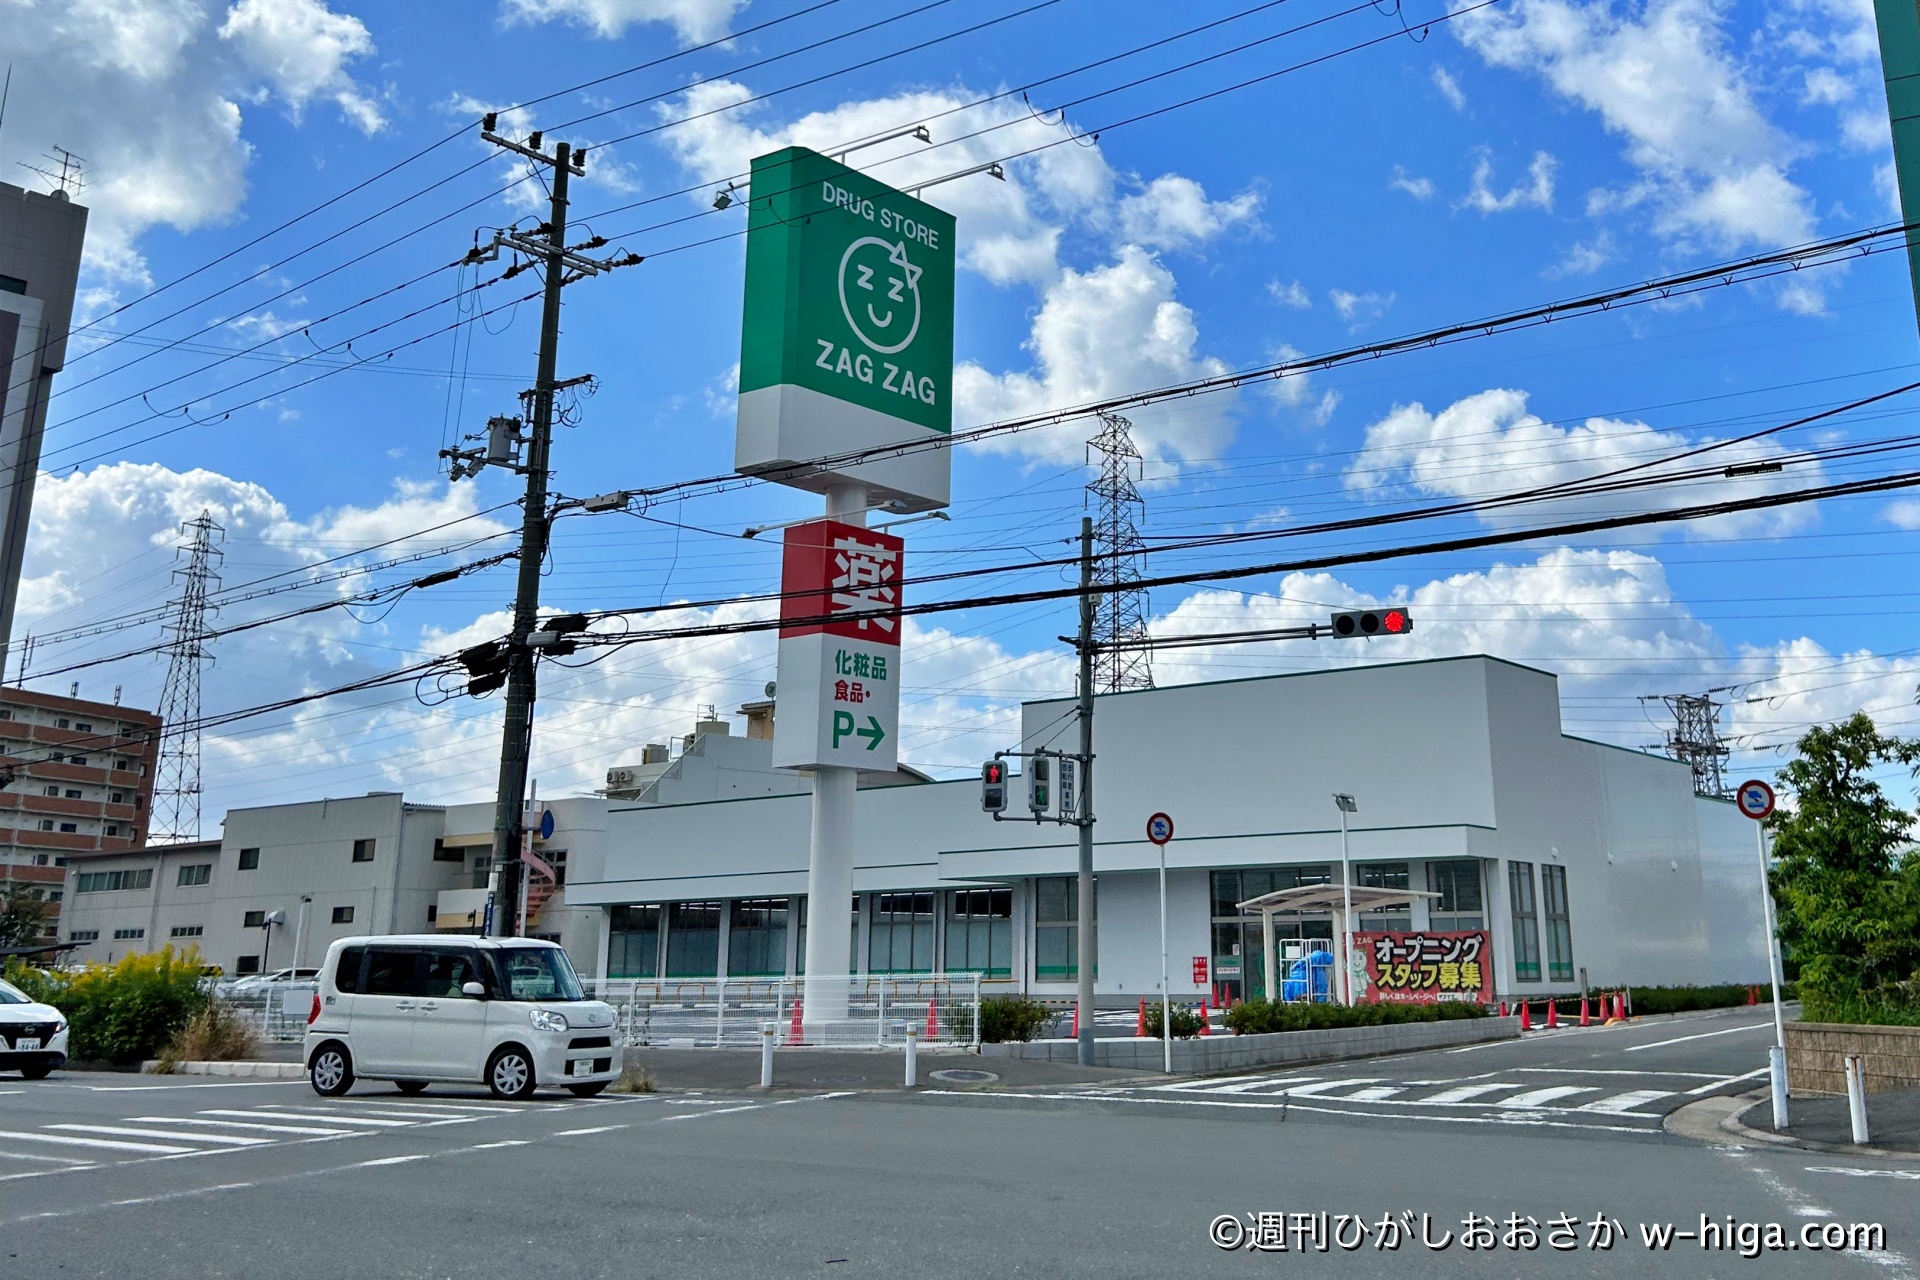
[1587, 864]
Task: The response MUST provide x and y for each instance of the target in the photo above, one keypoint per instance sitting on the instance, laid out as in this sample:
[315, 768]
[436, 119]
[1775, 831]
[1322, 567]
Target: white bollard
[913, 1056]
[1777, 1072]
[1857, 1098]
[767, 1032]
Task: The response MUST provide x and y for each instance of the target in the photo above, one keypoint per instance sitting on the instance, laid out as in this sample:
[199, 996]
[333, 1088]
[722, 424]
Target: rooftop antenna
[68, 182]
[5, 90]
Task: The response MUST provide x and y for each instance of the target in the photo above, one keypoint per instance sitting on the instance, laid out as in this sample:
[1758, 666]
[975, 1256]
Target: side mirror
[478, 990]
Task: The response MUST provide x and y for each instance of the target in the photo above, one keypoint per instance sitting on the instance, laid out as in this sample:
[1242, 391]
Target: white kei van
[508, 1012]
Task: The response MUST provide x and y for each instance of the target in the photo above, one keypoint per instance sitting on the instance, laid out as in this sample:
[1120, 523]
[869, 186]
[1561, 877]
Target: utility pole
[1088, 949]
[561, 266]
[1696, 740]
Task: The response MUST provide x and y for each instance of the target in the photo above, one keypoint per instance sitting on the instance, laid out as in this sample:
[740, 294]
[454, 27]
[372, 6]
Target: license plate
[24, 1045]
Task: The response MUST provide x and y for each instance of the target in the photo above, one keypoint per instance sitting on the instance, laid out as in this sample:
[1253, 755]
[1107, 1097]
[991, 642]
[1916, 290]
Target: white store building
[1587, 863]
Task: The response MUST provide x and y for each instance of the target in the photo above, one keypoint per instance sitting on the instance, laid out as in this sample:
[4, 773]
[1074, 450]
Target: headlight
[58, 1027]
[547, 1020]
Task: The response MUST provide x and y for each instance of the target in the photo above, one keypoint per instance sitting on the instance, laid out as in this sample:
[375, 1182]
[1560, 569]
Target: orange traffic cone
[1620, 1005]
[1751, 998]
[1503, 1008]
[1140, 1031]
[793, 1032]
[1553, 1013]
[1526, 1017]
[933, 1023]
[1585, 1021]
[1206, 1018]
[1075, 1033]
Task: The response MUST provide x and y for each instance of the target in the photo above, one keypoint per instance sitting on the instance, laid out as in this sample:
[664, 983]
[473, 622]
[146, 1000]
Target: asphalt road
[242, 1179]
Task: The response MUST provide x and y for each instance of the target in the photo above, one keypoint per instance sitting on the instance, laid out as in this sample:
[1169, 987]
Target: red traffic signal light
[1395, 622]
[993, 786]
[1372, 622]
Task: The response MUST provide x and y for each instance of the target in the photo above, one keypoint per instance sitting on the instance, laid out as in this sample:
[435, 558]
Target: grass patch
[634, 1080]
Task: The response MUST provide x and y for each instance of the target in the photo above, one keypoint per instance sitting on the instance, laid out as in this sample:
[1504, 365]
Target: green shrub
[124, 1012]
[1648, 1000]
[1258, 1017]
[213, 1034]
[1004, 1018]
[1186, 1023]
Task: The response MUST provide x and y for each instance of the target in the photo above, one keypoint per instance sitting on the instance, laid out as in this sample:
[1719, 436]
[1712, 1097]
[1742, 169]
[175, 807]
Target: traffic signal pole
[1087, 940]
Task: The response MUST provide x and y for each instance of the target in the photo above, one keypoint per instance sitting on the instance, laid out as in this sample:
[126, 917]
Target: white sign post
[1160, 831]
[1755, 799]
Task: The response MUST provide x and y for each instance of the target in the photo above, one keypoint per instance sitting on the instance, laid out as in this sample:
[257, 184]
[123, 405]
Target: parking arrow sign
[874, 734]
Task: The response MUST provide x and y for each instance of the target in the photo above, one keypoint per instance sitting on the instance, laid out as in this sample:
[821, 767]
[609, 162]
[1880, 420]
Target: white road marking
[173, 1195]
[1217, 1085]
[490, 1146]
[1911, 1175]
[1260, 1084]
[437, 1105]
[302, 1130]
[374, 1164]
[128, 1131]
[581, 1133]
[1312, 1090]
[1755, 1074]
[22, 1155]
[1374, 1094]
[101, 1143]
[383, 1113]
[1509, 1121]
[1466, 1092]
[1600, 1071]
[1704, 1035]
[1620, 1102]
[756, 1106]
[155, 1088]
[276, 1113]
[1541, 1097]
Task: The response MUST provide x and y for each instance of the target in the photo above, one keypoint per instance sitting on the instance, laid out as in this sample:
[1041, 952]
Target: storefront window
[900, 937]
[1526, 922]
[633, 942]
[757, 938]
[1459, 905]
[980, 932]
[1553, 888]
[693, 939]
[1382, 875]
[1239, 955]
[1056, 930]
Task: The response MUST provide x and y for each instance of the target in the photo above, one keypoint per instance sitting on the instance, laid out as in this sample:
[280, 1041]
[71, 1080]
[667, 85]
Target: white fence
[942, 1009]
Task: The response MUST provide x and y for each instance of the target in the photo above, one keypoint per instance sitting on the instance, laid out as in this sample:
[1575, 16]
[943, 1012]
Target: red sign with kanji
[1424, 968]
[1199, 971]
[841, 580]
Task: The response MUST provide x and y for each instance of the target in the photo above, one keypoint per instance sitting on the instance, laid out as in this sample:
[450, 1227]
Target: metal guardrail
[942, 1009]
[277, 1014]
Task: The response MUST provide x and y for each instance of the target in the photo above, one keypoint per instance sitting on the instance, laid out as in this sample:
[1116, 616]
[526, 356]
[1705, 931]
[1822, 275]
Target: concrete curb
[242, 1070]
[1731, 1124]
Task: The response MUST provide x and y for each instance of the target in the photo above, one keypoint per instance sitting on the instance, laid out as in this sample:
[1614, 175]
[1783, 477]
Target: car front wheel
[510, 1074]
[331, 1071]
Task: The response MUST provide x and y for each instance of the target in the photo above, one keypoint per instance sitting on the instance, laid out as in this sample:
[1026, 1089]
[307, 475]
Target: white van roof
[440, 939]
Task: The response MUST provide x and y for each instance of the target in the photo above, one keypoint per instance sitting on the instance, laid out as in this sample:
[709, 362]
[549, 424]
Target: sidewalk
[1816, 1124]
[679, 1070]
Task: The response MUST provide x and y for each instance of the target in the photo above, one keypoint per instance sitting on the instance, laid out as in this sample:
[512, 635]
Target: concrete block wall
[1817, 1053]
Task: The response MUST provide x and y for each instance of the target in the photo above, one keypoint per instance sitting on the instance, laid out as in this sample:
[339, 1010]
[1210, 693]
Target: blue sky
[1527, 151]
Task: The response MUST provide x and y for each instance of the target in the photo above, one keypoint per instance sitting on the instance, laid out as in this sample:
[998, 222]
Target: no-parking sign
[1755, 799]
[1159, 828]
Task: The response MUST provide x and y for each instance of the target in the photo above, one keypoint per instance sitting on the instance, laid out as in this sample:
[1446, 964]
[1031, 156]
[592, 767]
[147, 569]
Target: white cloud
[1661, 78]
[694, 21]
[1290, 295]
[1418, 188]
[1100, 333]
[1449, 88]
[303, 48]
[1824, 84]
[1488, 444]
[1174, 213]
[1361, 308]
[1536, 191]
[1295, 391]
[150, 94]
[1903, 513]
[1586, 257]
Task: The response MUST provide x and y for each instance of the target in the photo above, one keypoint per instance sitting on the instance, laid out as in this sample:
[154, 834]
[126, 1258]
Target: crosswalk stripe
[1620, 1102]
[1541, 1097]
[1317, 1089]
[303, 1130]
[126, 1131]
[1261, 1084]
[22, 1155]
[1218, 1084]
[1467, 1092]
[1374, 1094]
[389, 1113]
[150, 1148]
[461, 1106]
[321, 1119]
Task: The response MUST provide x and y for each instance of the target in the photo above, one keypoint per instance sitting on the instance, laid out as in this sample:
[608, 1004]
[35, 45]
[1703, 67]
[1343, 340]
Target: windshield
[536, 973]
[10, 994]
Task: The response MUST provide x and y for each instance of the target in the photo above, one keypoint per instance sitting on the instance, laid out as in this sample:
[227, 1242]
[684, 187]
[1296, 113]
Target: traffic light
[1372, 622]
[1039, 794]
[993, 786]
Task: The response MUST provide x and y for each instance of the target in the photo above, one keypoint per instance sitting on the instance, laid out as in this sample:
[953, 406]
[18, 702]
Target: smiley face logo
[880, 293]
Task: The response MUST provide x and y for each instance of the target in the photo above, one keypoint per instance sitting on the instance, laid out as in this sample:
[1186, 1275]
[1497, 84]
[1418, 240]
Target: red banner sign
[843, 573]
[1424, 968]
[1199, 971]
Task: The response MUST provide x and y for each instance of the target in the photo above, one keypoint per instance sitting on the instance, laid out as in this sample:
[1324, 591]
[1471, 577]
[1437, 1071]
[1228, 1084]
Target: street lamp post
[1346, 805]
[300, 933]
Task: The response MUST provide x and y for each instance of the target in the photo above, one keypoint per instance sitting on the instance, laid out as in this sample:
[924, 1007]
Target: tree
[1849, 909]
[22, 914]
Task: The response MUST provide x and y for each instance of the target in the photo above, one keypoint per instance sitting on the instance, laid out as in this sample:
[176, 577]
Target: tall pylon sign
[848, 337]
[846, 346]
[1899, 25]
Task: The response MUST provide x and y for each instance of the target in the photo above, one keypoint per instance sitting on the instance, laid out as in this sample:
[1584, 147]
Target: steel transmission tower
[1120, 615]
[1696, 740]
[176, 794]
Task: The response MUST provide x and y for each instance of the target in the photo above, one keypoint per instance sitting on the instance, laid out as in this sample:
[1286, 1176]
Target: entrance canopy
[1324, 897]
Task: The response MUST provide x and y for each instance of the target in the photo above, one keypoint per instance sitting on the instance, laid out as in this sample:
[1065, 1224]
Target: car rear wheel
[510, 1074]
[412, 1086]
[331, 1071]
[588, 1090]
[40, 1072]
